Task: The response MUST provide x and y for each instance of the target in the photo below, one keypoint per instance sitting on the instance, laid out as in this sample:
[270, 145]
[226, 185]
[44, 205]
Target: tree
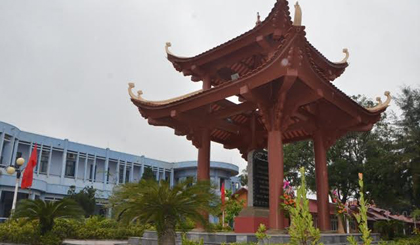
[409, 138]
[47, 212]
[148, 173]
[244, 178]
[232, 207]
[85, 198]
[156, 203]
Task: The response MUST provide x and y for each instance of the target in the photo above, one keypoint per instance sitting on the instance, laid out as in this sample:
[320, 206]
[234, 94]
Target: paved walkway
[93, 242]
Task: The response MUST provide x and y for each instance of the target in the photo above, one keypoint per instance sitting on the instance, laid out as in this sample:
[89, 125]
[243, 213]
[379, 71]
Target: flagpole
[223, 218]
[16, 192]
[16, 169]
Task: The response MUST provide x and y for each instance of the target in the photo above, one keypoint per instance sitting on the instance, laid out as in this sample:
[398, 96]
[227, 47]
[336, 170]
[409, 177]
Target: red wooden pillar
[322, 188]
[203, 168]
[275, 175]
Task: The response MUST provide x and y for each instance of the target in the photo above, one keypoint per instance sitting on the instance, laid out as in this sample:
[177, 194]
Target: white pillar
[132, 172]
[142, 171]
[86, 167]
[64, 161]
[125, 171]
[2, 143]
[106, 167]
[12, 150]
[49, 162]
[15, 148]
[94, 169]
[117, 171]
[39, 160]
[172, 180]
[164, 174]
[29, 153]
[76, 169]
[157, 174]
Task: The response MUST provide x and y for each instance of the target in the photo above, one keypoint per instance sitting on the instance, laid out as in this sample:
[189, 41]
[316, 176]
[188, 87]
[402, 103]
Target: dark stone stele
[260, 179]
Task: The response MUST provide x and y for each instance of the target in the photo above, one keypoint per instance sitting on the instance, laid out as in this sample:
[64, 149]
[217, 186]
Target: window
[70, 165]
[127, 175]
[44, 162]
[121, 174]
[92, 174]
[108, 173]
[334, 222]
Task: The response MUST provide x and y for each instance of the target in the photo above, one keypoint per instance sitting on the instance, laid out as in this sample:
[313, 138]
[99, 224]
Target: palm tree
[151, 202]
[47, 212]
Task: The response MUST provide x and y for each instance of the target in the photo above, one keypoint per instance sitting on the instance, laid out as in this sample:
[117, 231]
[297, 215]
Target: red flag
[223, 193]
[28, 174]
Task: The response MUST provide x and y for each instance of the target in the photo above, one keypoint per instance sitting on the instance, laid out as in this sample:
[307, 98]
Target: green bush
[50, 239]
[101, 228]
[22, 232]
[19, 232]
[415, 240]
[389, 230]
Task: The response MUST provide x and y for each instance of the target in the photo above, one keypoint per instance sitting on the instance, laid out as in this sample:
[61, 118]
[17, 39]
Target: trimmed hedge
[19, 231]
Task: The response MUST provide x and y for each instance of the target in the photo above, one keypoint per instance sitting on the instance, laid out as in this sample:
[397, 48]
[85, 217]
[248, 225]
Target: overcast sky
[65, 65]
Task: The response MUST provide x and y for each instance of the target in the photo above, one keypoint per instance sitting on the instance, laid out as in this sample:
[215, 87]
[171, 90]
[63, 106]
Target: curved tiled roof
[279, 6]
[138, 100]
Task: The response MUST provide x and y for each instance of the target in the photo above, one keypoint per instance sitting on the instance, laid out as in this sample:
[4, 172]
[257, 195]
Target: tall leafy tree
[243, 177]
[409, 138]
[85, 198]
[156, 203]
[148, 173]
[46, 212]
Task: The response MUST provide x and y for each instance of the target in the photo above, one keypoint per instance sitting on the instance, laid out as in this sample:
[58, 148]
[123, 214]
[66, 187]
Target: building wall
[68, 164]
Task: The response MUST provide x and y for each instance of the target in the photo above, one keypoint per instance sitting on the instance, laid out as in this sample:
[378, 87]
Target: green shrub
[50, 239]
[185, 241]
[415, 240]
[19, 231]
[389, 229]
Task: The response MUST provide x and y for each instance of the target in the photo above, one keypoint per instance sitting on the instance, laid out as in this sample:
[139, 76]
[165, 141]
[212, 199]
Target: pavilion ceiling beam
[194, 121]
[233, 58]
[253, 96]
[234, 110]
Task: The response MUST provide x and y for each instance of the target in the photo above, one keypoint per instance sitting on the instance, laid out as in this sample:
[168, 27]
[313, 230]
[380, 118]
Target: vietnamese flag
[223, 193]
[28, 174]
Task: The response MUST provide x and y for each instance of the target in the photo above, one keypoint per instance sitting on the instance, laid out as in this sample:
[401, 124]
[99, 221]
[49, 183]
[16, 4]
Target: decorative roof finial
[132, 95]
[298, 15]
[346, 58]
[167, 45]
[381, 105]
[258, 19]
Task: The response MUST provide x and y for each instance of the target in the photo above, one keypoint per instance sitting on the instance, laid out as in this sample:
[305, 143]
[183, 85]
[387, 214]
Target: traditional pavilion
[286, 93]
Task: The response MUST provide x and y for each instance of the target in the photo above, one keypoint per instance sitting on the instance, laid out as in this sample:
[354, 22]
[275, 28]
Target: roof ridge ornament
[346, 58]
[258, 19]
[298, 15]
[168, 52]
[132, 95]
[381, 105]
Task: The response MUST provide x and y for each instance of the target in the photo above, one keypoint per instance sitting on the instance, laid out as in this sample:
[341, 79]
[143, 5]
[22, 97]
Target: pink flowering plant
[340, 208]
[288, 197]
